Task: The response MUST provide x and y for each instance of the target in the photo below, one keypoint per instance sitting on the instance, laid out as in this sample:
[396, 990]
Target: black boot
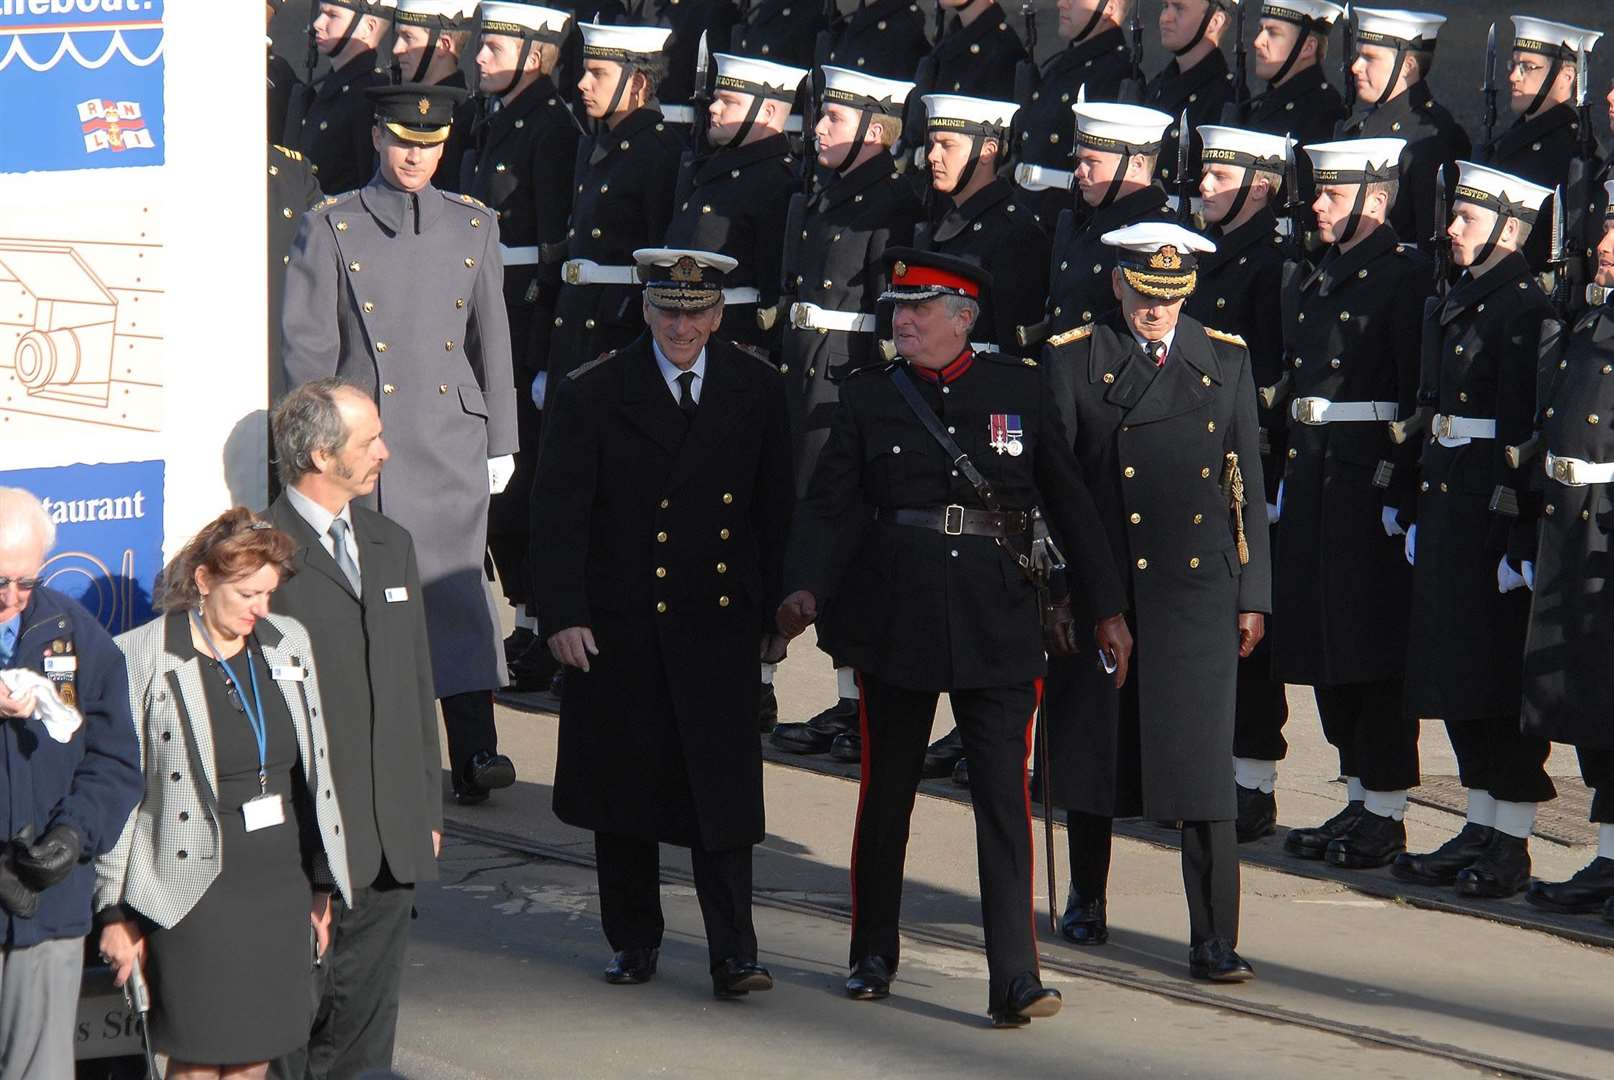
[1440, 866]
[816, 735]
[1372, 841]
[1584, 894]
[942, 756]
[1258, 814]
[1502, 870]
[1313, 843]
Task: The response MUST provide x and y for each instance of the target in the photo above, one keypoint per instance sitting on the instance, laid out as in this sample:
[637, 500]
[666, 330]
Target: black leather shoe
[632, 966]
[1373, 841]
[1258, 814]
[516, 645]
[1440, 866]
[847, 747]
[767, 709]
[816, 735]
[490, 771]
[1608, 912]
[1584, 894]
[1215, 961]
[870, 979]
[736, 978]
[1026, 1001]
[961, 772]
[534, 671]
[1313, 843]
[1084, 921]
[943, 755]
[1502, 869]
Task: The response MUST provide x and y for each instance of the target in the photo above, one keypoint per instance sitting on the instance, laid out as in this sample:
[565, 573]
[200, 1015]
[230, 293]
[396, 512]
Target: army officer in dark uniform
[913, 560]
[666, 469]
[1162, 410]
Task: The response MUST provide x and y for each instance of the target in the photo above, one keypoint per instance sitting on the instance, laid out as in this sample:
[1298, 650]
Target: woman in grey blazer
[220, 884]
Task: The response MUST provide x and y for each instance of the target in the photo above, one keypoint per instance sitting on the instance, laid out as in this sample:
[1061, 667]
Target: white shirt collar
[670, 371]
[318, 518]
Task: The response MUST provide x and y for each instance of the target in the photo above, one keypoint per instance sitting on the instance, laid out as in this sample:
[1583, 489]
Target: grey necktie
[344, 561]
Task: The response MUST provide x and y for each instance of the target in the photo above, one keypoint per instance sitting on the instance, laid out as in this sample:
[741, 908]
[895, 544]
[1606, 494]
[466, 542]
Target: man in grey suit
[399, 288]
[357, 590]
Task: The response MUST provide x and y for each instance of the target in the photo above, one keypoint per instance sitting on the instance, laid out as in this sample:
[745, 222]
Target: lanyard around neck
[253, 708]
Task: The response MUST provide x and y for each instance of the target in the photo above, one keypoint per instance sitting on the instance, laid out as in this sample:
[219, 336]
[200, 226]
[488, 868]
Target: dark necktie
[686, 396]
[1156, 351]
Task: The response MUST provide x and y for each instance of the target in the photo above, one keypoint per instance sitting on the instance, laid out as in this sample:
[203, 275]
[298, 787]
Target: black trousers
[629, 871]
[1493, 755]
[1376, 743]
[1260, 709]
[468, 721]
[1597, 769]
[356, 988]
[1210, 870]
[995, 723]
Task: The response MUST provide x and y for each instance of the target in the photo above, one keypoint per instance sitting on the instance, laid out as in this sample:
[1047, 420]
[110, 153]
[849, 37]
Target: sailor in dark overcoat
[1481, 343]
[976, 58]
[665, 479]
[1162, 411]
[328, 120]
[1197, 80]
[880, 37]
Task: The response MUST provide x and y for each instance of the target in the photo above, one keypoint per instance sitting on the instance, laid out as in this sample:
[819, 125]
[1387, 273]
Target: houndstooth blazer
[168, 853]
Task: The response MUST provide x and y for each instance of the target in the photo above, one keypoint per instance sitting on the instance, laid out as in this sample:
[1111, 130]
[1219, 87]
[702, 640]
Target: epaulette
[1231, 339]
[1068, 336]
[469, 200]
[293, 154]
[758, 354]
[331, 200]
[584, 369]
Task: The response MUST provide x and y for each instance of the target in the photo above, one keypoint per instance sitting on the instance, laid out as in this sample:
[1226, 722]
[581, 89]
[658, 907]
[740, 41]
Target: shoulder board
[469, 200]
[1072, 335]
[584, 369]
[293, 154]
[1231, 339]
[332, 200]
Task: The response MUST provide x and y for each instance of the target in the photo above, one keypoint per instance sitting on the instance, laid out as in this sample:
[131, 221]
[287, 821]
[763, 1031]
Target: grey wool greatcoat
[1153, 443]
[665, 537]
[404, 295]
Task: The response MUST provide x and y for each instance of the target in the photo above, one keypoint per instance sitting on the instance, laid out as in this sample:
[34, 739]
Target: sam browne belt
[956, 520]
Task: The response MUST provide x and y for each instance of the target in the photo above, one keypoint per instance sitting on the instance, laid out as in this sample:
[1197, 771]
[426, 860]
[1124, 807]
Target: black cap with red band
[924, 275]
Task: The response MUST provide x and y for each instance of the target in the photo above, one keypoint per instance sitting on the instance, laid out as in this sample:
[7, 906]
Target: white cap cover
[1356, 161]
[1551, 38]
[1238, 146]
[868, 93]
[624, 44]
[1395, 28]
[1303, 12]
[524, 20]
[1500, 192]
[1119, 129]
[745, 75]
[980, 116]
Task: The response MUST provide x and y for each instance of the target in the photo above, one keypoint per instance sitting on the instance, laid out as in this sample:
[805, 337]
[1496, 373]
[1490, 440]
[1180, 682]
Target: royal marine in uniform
[1481, 343]
[398, 288]
[329, 121]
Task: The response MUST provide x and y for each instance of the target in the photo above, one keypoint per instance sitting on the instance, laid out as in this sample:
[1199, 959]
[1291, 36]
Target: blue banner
[109, 534]
[82, 83]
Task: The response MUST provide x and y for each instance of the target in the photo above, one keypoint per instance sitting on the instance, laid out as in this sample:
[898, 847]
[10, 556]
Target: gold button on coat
[661, 571]
[1143, 564]
[1129, 472]
[388, 388]
[661, 607]
[1137, 519]
[661, 538]
[1193, 564]
[722, 534]
[722, 601]
[722, 568]
[727, 498]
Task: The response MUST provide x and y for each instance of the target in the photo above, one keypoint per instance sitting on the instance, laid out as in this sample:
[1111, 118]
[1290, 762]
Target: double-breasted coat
[377, 688]
[1203, 90]
[665, 536]
[1079, 288]
[994, 229]
[848, 224]
[977, 60]
[622, 200]
[330, 121]
[1305, 108]
[915, 607]
[734, 201]
[403, 294]
[1540, 149]
[1568, 690]
[885, 38]
[1481, 347]
[1434, 139]
[784, 31]
[1342, 584]
[1153, 442]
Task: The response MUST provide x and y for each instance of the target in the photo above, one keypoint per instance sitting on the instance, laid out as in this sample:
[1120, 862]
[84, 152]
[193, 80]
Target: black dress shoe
[736, 978]
[1258, 814]
[1502, 869]
[516, 645]
[1608, 911]
[1215, 961]
[961, 772]
[847, 747]
[1440, 866]
[632, 966]
[490, 771]
[870, 979]
[767, 709]
[1313, 843]
[943, 755]
[1084, 921]
[1584, 894]
[816, 735]
[533, 671]
[1027, 1000]
[1373, 841]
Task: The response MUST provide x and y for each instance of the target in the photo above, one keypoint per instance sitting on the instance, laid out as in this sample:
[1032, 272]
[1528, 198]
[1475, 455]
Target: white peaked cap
[746, 75]
[503, 17]
[452, 10]
[1158, 258]
[1238, 146]
[1496, 190]
[1296, 10]
[1148, 237]
[622, 43]
[1356, 161]
[1105, 125]
[1542, 36]
[967, 113]
[856, 90]
[1392, 26]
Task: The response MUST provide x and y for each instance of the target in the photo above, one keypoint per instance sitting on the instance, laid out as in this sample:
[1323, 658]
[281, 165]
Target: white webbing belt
[1043, 178]
[1573, 472]
[1454, 431]
[1317, 411]
[519, 256]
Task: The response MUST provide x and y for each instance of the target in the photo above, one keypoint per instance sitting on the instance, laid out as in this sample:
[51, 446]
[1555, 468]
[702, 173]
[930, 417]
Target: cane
[1045, 771]
[138, 998]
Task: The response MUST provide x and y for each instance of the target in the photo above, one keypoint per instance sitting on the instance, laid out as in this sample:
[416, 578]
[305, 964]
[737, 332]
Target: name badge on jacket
[288, 672]
[61, 668]
[397, 594]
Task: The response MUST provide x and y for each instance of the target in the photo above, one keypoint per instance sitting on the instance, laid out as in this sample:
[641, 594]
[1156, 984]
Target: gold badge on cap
[686, 269]
[423, 106]
[899, 269]
[1165, 259]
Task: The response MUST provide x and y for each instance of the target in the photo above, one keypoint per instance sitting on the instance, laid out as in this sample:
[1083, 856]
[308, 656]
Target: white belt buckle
[1309, 410]
[1563, 471]
[953, 520]
[573, 271]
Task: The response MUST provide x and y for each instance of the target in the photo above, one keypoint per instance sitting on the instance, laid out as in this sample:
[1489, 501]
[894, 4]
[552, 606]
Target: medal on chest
[61, 668]
[1005, 434]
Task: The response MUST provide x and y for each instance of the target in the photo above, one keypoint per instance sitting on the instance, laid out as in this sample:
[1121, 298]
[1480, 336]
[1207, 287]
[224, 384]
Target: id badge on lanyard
[266, 809]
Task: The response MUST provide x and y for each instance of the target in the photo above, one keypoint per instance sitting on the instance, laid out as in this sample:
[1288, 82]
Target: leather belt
[685, 114]
[520, 256]
[1573, 472]
[812, 317]
[1044, 178]
[1453, 431]
[1317, 411]
[956, 520]
[589, 272]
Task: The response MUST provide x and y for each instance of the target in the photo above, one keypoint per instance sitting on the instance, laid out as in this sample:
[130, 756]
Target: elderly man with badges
[1162, 411]
[1482, 341]
[666, 471]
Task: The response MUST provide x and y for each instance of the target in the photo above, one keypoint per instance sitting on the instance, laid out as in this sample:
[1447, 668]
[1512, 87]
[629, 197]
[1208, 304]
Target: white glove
[500, 469]
[540, 384]
[1529, 569]
[1392, 527]
[1507, 579]
[1272, 513]
[61, 720]
[1275, 510]
[1412, 546]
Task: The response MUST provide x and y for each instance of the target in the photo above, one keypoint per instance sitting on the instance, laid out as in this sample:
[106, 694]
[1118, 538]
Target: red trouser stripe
[1031, 830]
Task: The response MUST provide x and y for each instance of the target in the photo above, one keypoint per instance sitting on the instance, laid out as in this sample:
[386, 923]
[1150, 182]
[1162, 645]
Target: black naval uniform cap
[416, 112]
[917, 276]
[682, 279]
